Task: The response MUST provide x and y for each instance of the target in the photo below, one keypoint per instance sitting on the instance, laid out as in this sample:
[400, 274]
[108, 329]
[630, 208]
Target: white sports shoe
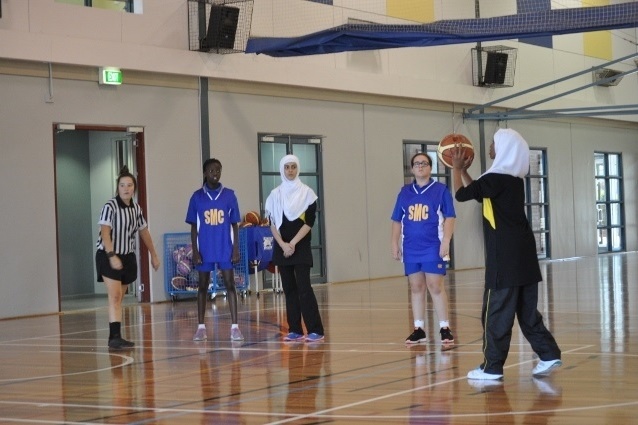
[200, 335]
[235, 335]
[546, 367]
[479, 374]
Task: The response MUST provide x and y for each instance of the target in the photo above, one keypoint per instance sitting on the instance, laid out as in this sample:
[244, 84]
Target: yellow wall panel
[597, 44]
[413, 10]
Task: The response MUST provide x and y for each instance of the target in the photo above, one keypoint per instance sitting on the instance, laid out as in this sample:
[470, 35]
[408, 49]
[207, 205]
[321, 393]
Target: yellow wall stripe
[413, 10]
[597, 44]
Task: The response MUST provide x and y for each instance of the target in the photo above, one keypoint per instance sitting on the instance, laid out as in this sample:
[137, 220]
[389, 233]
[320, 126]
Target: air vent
[606, 74]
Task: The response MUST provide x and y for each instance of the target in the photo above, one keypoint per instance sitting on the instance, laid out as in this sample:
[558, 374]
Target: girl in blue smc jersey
[213, 211]
[422, 227]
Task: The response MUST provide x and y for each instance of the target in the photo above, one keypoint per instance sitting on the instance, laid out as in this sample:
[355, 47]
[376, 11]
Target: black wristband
[110, 254]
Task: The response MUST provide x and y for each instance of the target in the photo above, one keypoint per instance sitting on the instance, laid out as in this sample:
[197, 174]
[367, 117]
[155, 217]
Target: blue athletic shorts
[431, 267]
[209, 267]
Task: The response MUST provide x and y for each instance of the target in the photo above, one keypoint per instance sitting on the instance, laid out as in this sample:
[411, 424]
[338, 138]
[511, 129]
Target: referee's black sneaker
[417, 336]
[119, 343]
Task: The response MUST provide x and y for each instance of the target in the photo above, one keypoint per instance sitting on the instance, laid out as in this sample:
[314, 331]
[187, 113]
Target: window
[610, 212]
[536, 188]
[537, 200]
[122, 5]
[440, 172]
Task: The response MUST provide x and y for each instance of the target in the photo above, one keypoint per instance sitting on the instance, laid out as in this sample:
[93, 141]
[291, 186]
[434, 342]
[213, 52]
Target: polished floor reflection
[57, 369]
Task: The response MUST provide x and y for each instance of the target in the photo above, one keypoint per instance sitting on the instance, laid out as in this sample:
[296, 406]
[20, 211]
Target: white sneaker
[235, 335]
[546, 367]
[200, 335]
[479, 374]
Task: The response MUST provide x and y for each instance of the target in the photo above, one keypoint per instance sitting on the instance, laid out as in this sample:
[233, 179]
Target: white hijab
[512, 154]
[291, 198]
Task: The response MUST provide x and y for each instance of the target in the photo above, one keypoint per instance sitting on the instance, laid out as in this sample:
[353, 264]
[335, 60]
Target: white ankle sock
[444, 324]
[419, 323]
[201, 326]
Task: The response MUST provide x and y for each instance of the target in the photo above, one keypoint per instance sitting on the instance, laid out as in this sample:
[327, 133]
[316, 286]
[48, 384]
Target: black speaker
[222, 27]
[496, 68]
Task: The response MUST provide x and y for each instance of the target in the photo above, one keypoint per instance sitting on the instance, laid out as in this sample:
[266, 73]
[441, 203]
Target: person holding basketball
[120, 220]
[512, 271]
[291, 208]
[422, 227]
[213, 213]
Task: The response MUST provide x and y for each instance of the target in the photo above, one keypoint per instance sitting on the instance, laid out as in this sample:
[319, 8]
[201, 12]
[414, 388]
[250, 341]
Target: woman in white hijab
[291, 208]
[512, 272]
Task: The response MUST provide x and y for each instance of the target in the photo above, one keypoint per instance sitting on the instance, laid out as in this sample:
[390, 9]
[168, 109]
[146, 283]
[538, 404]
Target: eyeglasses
[421, 164]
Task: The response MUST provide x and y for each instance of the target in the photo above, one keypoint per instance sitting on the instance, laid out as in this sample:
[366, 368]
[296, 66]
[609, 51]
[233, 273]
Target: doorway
[87, 162]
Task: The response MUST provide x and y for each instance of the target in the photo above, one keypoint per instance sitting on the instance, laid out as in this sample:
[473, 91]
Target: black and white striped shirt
[125, 221]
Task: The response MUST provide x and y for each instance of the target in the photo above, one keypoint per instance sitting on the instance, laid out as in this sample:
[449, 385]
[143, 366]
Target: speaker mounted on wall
[222, 27]
[219, 26]
[496, 68]
[493, 66]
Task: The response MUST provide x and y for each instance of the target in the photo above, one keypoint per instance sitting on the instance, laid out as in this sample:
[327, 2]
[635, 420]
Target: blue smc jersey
[214, 212]
[421, 212]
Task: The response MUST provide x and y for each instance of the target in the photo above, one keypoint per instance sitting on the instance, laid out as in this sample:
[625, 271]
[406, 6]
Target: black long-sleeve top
[510, 247]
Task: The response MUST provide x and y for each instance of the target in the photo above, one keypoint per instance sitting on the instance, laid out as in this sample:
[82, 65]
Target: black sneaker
[417, 336]
[446, 336]
[119, 343]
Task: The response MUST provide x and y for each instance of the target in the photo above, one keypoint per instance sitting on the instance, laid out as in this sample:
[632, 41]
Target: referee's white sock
[201, 326]
[444, 324]
[419, 323]
[234, 326]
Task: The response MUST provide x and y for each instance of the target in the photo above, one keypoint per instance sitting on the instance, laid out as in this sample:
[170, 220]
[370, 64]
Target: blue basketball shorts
[431, 267]
[209, 267]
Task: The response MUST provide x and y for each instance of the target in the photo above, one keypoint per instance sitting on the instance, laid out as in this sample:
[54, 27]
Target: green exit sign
[111, 76]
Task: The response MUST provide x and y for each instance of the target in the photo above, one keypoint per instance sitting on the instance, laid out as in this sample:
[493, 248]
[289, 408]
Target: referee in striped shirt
[115, 260]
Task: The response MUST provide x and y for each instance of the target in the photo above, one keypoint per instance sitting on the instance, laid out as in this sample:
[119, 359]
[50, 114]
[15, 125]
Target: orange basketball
[253, 218]
[451, 141]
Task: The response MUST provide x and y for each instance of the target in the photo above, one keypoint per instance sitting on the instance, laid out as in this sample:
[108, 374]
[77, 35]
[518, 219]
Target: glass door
[308, 149]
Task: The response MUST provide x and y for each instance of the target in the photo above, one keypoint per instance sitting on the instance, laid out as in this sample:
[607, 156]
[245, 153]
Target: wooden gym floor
[57, 369]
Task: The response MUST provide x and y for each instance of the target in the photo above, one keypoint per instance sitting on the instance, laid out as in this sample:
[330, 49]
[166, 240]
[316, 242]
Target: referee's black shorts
[127, 275]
